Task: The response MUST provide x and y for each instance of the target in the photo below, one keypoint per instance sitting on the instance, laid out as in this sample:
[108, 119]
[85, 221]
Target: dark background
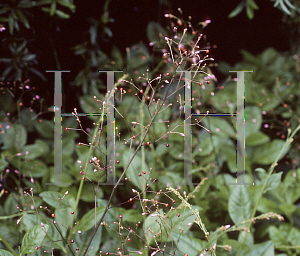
[132, 16]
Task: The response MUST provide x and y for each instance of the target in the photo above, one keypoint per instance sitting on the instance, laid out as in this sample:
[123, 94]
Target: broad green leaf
[16, 136]
[294, 236]
[256, 139]
[267, 153]
[291, 187]
[157, 222]
[262, 249]
[287, 208]
[219, 126]
[253, 120]
[82, 240]
[274, 181]
[90, 219]
[277, 236]
[266, 205]
[239, 204]
[53, 198]
[35, 150]
[5, 253]
[138, 57]
[134, 169]
[89, 105]
[155, 32]
[32, 168]
[236, 245]
[187, 244]
[249, 238]
[34, 237]
[45, 128]
[3, 164]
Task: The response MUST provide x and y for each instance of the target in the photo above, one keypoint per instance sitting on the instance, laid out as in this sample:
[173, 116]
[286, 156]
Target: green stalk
[86, 166]
[7, 245]
[289, 140]
[123, 174]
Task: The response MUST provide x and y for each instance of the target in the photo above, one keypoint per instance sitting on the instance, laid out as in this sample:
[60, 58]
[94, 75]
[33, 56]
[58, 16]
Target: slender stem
[121, 177]
[7, 245]
[270, 171]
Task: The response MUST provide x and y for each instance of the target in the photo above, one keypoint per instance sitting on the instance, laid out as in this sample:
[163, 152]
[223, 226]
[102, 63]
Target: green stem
[123, 174]
[85, 169]
[270, 171]
[7, 245]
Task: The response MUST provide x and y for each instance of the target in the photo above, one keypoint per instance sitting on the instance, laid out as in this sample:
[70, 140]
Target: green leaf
[11, 24]
[6, 60]
[16, 136]
[155, 32]
[38, 73]
[250, 12]
[187, 244]
[253, 120]
[266, 205]
[219, 126]
[237, 10]
[267, 153]
[42, 2]
[23, 18]
[5, 253]
[277, 236]
[158, 224]
[239, 204]
[287, 208]
[274, 181]
[53, 198]
[82, 240]
[284, 8]
[3, 164]
[52, 8]
[45, 128]
[236, 245]
[252, 4]
[294, 236]
[256, 139]
[62, 14]
[134, 169]
[90, 219]
[117, 56]
[291, 188]
[29, 57]
[33, 168]
[34, 237]
[35, 150]
[262, 249]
